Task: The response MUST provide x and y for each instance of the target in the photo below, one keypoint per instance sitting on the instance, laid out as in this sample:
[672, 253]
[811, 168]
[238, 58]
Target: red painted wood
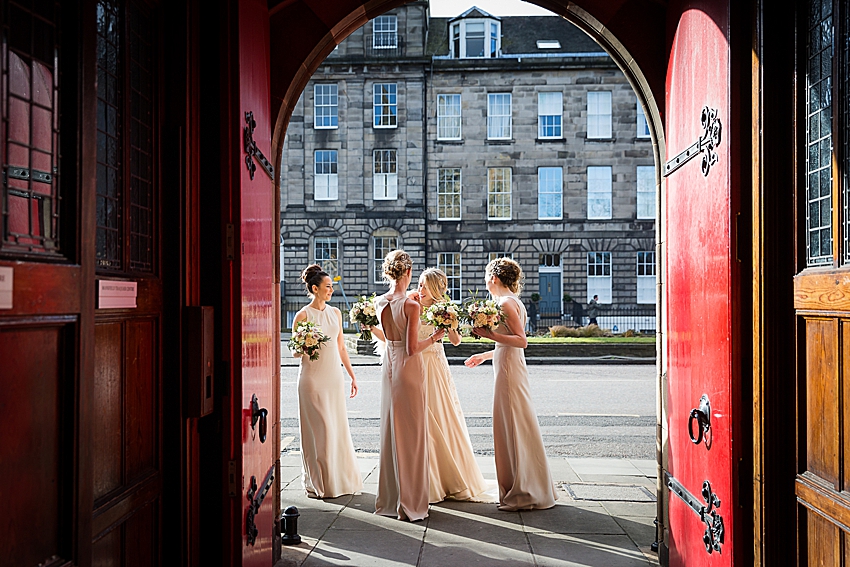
[701, 275]
[255, 314]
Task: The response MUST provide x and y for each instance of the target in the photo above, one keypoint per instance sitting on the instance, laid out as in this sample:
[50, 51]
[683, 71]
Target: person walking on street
[593, 310]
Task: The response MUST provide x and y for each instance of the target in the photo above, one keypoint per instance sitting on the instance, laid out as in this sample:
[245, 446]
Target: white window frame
[642, 125]
[599, 189]
[449, 193]
[491, 38]
[324, 249]
[450, 263]
[325, 96]
[645, 192]
[386, 28]
[493, 255]
[599, 276]
[645, 262]
[325, 175]
[385, 105]
[550, 115]
[383, 241]
[384, 175]
[449, 114]
[499, 119]
[599, 124]
[550, 193]
[499, 193]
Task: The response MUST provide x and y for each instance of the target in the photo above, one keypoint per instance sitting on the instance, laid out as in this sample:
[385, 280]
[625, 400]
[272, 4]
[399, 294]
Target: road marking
[602, 415]
[594, 380]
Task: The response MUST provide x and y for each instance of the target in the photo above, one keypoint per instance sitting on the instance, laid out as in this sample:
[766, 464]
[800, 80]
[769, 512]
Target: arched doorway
[331, 38]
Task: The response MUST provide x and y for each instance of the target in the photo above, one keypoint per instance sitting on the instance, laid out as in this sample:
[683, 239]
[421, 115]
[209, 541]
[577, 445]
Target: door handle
[702, 415]
[261, 415]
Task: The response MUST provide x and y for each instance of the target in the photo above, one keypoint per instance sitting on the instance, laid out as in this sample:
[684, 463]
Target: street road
[584, 411]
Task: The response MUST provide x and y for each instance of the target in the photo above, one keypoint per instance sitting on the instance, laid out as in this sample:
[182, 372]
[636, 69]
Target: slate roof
[520, 35]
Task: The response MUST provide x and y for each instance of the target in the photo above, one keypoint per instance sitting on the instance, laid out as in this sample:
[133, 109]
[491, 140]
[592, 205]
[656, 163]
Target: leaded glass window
[30, 128]
[819, 134]
[127, 68]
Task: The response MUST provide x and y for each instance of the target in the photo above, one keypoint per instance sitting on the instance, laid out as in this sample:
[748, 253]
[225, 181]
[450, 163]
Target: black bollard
[289, 521]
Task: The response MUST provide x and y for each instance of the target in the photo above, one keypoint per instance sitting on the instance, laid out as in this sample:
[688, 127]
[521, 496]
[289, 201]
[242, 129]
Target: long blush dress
[522, 470]
[328, 465]
[453, 471]
[403, 466]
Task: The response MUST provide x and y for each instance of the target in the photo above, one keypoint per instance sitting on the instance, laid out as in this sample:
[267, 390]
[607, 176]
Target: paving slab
[576, 532]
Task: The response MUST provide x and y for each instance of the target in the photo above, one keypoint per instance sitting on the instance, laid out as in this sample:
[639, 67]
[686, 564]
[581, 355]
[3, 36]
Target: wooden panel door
[127, 429]
[822, 286]
[702, 292]
[46, 282]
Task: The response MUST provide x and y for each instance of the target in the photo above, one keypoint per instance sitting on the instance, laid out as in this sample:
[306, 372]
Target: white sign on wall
[6, 275]
[116, 295]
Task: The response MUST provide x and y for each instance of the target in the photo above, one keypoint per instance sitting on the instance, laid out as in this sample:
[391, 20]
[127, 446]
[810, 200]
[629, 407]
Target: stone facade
[422, 68]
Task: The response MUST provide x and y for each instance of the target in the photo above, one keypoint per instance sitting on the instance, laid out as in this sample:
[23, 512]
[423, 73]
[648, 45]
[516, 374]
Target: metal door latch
[254, 502]
[261, 415]
[253, 151]
[713, 536]
[707, 143]
[702, 415]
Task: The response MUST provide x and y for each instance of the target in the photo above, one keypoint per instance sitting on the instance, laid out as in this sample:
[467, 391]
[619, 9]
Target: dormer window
[475, 37]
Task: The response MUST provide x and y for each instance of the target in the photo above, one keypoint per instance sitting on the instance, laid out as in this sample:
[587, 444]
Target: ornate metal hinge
[707, 143]
[252, 150]
[714, 531]
[255, 500]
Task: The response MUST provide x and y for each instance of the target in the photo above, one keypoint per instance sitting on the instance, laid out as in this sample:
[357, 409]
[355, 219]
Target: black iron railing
[617, 319]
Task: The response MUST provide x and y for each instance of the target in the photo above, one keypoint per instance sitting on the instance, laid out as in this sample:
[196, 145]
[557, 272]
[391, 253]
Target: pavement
[604, 517]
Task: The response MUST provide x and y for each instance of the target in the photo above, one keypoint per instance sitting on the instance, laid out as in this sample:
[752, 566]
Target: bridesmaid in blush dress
[522, 470]
[453, 472]
[328, 465]
[403, 466]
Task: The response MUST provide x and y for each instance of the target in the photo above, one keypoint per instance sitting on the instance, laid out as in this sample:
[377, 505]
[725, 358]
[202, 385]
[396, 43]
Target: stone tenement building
[462, 139]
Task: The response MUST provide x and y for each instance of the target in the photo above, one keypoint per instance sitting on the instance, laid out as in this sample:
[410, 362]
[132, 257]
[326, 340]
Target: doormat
[609, 492]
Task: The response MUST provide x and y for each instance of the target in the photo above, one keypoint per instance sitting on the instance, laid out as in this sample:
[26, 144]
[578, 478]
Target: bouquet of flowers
[442, 314]
[363, 313]
[307, 339]
[483, 313]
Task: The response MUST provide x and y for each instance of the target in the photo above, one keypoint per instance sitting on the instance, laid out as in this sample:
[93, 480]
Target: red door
[702, 292]
[253, 336]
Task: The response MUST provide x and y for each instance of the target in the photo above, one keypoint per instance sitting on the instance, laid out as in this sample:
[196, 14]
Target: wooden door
[822, 286]
[252, 333]
[127, 424]
[550, 293]
[702, 293]
[46, 278]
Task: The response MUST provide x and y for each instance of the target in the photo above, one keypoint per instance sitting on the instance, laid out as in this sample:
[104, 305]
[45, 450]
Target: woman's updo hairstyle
[435, 281]
[508, 272]
[396, 264]
[313, 276]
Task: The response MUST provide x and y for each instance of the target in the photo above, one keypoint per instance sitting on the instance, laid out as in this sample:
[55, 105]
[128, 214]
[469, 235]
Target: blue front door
[550, 294]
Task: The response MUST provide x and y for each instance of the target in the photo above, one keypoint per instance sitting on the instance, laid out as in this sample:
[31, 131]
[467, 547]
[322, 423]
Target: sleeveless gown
[403, 465]
[522, 470]
[453, 471]
[329, 467]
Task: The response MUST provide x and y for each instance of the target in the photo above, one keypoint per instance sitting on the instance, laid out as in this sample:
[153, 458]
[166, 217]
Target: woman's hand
[438, 335]
[482, 332]
[353, 387]
[474, 360]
